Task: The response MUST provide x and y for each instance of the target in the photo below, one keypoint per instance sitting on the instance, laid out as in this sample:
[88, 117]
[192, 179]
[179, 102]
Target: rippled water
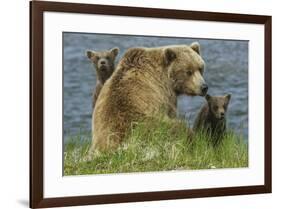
[226, 72]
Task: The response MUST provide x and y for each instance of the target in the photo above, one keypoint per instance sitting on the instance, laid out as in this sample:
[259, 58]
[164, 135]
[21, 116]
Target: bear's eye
[201, 70]
[107, 57]
[189, 72]
[97, 57]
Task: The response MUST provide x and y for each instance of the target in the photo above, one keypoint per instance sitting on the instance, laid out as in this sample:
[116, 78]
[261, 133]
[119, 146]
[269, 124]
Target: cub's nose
[222, 114]
[204, 89]
[102, 62]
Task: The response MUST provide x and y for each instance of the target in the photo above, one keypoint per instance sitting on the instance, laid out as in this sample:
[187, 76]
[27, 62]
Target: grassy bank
[156, 145]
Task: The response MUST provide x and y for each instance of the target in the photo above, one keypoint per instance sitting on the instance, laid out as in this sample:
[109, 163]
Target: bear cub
[212, 117]
[104, 63]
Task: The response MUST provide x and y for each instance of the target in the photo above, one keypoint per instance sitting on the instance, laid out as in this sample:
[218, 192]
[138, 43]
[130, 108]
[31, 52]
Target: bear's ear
[208, 97]
[89, 54]
[169, 56]
[196, 47]
[227, 97]
[114, 51]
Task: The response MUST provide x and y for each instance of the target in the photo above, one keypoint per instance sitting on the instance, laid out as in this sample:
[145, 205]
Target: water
[226, 72]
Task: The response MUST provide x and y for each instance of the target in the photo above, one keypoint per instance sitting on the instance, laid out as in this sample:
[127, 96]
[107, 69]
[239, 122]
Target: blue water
[226, 72]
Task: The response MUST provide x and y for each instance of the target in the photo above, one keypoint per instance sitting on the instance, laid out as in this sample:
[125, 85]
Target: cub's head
[103, 62]
[185, 69]
[218, 105]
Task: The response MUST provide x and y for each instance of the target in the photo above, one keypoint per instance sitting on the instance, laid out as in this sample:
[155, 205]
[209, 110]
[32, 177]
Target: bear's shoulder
[201, 118]
[132, 55]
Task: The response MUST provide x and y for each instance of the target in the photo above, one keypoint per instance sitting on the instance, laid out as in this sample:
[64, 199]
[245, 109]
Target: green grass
[156, 145]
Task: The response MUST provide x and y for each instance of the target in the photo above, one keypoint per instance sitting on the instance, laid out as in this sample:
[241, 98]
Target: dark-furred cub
[104, 63]
[212, 117]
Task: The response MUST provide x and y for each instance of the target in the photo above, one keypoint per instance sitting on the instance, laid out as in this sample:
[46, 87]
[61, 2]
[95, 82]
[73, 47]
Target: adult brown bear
[145, 82]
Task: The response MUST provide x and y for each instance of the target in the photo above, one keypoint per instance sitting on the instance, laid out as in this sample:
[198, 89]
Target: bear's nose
[102, 62]
[222, 114]
[204, 88]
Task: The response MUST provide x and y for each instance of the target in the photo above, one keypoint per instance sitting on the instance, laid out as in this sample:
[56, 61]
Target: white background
[14, 111]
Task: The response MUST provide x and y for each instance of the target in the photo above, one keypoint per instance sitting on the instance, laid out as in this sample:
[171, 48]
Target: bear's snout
[204, 89]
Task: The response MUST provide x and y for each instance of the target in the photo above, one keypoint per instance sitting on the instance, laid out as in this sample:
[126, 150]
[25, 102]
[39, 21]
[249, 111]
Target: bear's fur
[145, 82]
[212, 117]
[104, 63]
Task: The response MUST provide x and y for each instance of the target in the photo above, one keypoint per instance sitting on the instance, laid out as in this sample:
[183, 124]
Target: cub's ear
[227, 97]
[169, 56]
[196, 47]
[114, 51]
[89, 54]
[208, 97]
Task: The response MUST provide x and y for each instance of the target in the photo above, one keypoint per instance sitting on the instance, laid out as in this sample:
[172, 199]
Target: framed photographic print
[138, 104]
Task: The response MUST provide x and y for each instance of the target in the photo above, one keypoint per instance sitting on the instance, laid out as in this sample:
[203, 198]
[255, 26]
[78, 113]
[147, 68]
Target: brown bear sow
[145, 82]
[212, 117]
[104, 65]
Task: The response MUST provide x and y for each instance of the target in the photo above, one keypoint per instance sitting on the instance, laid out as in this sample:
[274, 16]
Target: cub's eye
[189, 72]
[216, 107]
[97, 57]
[107, 57]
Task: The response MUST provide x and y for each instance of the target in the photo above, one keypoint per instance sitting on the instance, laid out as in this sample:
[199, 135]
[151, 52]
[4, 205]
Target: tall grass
[156, 145]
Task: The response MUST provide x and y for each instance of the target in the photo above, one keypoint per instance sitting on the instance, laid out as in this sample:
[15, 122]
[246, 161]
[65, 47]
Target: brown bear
[104, 63]
[145, 82]
[211, 118]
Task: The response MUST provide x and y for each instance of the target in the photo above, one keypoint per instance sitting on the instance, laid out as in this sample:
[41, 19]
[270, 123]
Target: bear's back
[137, 88]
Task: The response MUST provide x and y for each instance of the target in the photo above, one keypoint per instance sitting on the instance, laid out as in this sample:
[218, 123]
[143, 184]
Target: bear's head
[185, 69]
[218, 105]
[103, 62]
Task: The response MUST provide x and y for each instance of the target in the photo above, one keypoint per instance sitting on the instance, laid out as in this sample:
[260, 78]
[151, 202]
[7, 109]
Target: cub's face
[103, 61]
[218, 105]
[186, 68]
